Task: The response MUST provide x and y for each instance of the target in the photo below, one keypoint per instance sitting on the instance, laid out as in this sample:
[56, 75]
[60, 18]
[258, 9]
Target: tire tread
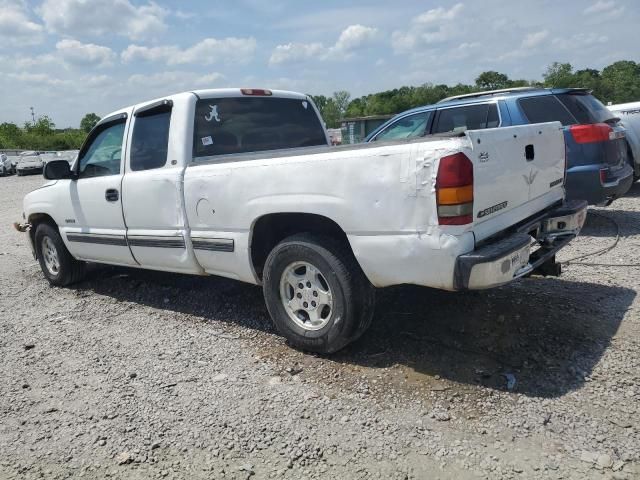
[72, 270]
[358, 292]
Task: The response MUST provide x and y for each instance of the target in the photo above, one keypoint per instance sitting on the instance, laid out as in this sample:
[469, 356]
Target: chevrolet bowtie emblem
[530, 178]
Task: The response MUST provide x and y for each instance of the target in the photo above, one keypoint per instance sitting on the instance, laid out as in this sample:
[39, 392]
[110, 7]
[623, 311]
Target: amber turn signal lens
[455, 195]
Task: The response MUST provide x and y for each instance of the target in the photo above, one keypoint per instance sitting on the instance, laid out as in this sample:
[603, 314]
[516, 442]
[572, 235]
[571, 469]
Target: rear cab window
[231, 125]
[546, 108]
[468, 117]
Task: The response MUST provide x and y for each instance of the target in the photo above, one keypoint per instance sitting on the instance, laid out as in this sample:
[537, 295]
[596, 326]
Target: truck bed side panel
[380, 191]
[382, 196]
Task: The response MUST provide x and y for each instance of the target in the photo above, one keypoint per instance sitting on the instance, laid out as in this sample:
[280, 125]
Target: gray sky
[69, 57]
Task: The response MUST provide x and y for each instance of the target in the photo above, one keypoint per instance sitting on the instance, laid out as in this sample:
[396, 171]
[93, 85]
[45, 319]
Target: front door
[94, 227]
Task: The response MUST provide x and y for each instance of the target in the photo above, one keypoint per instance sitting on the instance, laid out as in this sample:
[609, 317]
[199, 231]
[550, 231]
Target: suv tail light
[595, 132]
[454, 190]
[603, 175]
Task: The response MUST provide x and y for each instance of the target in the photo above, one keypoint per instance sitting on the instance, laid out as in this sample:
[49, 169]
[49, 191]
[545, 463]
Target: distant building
[355, 130]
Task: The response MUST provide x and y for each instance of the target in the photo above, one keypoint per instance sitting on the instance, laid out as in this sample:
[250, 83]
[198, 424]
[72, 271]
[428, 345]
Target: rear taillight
[256, 92]
[603, 176]
[454, 190]
[596, 132]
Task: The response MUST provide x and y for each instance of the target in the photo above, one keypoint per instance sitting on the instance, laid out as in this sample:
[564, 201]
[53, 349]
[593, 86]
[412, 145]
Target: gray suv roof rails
[489, 92]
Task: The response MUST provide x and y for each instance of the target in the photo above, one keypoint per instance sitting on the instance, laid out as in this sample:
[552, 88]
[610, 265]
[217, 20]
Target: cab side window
[408, 127]
[469, 117]
[150, 140]
[102, 153]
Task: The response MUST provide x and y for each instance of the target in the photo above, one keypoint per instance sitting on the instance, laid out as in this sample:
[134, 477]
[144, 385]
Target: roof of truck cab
[206, 93]
[624, 106]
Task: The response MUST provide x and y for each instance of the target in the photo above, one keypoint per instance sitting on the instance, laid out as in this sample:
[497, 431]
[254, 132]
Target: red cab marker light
[256, 92]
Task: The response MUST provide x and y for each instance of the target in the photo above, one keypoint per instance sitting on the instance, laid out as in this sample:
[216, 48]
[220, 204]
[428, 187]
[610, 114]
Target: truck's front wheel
[316, 293]
[57, 264]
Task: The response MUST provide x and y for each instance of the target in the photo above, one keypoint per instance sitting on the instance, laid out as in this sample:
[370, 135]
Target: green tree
[492, 80]
[331, 114]
[621, 82]
[559, 75]
[88, 122]
[589, 78]
[42, 126]
[40, 135]
[341, 99]
[334, 108]
[10, 135]
[356, 108]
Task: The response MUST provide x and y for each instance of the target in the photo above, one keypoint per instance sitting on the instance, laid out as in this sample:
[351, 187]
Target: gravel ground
[135, 374]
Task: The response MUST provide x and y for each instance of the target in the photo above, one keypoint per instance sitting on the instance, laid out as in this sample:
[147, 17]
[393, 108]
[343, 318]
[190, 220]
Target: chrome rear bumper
[512, 257]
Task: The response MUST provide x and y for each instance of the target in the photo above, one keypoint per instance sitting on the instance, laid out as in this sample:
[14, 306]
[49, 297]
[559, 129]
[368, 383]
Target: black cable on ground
[572, 261]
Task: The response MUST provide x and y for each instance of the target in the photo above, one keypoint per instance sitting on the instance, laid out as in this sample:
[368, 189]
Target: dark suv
[597, 166]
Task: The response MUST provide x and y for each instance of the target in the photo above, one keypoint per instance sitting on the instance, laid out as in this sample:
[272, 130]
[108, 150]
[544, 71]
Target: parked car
[242, 183]
[29, 162]
[5, 165]
[598, 169]
[68, 155]
[629, 114]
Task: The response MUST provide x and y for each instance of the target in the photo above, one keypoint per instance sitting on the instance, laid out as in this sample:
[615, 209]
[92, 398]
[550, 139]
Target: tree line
[616, 83]
[42, 134]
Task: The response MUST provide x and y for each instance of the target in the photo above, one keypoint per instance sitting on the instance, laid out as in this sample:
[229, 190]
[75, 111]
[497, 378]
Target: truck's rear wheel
[57, 264]
[316, 293]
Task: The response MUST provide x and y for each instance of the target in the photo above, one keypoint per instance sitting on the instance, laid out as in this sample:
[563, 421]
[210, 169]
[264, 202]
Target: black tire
[69, 269]
[19, 172]
[352, 295]
[3, 172]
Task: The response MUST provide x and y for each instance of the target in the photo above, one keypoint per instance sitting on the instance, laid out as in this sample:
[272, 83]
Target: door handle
[529, 153]
[111, 195]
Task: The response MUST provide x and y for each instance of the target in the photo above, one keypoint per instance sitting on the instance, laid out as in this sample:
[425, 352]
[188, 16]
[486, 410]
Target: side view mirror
[57, 170]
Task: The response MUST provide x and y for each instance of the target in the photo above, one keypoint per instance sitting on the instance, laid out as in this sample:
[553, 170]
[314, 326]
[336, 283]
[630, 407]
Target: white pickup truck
[629, 114]
[242, 183]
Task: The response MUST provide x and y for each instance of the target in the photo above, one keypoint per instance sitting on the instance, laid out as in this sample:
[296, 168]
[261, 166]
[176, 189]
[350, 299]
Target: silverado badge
[494, 209]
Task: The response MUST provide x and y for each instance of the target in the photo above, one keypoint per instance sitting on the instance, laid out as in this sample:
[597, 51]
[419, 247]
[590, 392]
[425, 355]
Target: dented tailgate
[518, 171]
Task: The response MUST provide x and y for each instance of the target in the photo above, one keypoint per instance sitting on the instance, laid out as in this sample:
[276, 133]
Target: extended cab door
[152, 189]
[93, 226]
